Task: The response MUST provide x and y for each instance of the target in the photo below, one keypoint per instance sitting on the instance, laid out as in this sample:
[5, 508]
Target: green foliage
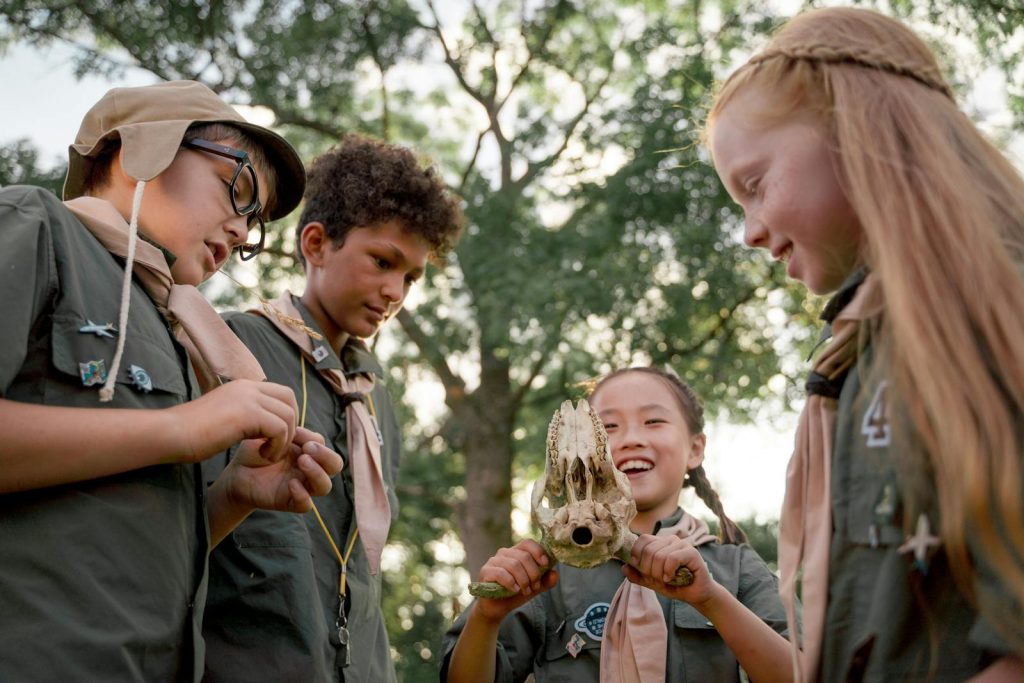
[996, 27]
[418, 595]
[19, 165]
[598, 235]
[763, 537]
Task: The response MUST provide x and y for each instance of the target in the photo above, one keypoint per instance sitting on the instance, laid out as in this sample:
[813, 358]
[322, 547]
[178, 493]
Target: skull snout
[582, 536]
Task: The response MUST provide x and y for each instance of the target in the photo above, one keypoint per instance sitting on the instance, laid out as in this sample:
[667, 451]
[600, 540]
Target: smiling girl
[589, 624]
[844, 146]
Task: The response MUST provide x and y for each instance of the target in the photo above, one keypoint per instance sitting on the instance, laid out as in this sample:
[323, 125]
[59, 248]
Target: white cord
[107, 391]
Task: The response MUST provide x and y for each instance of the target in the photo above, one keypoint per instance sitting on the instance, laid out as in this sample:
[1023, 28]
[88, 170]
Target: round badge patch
[592, 621]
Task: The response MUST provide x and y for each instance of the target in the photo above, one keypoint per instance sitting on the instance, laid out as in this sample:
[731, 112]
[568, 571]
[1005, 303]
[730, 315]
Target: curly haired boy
[297, 598]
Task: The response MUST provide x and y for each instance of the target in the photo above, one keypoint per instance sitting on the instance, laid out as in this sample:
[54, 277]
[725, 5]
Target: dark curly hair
[363, 181]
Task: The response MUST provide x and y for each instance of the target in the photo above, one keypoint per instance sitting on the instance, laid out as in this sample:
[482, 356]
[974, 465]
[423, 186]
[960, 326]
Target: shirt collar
[843, 295]
[102, 210]
[668, 521]
[355, 359]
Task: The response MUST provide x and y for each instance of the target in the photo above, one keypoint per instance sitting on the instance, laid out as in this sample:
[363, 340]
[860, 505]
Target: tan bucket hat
[151, 122]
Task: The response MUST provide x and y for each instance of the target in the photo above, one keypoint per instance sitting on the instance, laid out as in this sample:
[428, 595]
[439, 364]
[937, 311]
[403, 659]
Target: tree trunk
[486, 426]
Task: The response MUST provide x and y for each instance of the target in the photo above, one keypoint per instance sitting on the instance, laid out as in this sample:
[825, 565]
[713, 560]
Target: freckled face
[354, 288]
[187, 210]
[783, 176]
[649, 439]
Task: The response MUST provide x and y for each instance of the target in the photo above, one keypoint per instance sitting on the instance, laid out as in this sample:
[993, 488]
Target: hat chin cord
[107, 391]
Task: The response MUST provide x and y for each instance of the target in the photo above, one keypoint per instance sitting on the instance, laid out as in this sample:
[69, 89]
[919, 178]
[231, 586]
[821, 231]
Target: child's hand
[239, 410]
[287, 484]
[654, 561]
[523, 568]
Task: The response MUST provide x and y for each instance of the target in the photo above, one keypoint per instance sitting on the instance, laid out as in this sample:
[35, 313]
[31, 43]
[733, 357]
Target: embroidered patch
[875, 426]
[93, 372]
[592, 621]
[140, 378]
[575, 645]
[319, 353]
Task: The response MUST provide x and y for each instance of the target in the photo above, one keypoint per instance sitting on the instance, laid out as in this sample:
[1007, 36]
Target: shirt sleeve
[28, 274]
[517, 647]
[759, 591]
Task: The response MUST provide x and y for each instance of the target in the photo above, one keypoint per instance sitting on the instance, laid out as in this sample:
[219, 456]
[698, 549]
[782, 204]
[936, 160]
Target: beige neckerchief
[213, 349]
[805, 525]
[635, 641]
[373, 510]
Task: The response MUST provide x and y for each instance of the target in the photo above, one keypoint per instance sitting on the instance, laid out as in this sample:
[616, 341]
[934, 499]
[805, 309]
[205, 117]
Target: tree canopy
[597, 237]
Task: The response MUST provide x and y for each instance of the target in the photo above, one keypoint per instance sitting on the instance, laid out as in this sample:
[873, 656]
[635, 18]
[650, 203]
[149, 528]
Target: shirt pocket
[559, 666]
[73, 350]
[267, 529]
[875, 518]
[704, 654]
[686, 617]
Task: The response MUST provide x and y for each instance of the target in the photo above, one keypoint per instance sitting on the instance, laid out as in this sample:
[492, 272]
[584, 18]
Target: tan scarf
[805, 527]
[213, 349]
[373, 510]
[635, 641]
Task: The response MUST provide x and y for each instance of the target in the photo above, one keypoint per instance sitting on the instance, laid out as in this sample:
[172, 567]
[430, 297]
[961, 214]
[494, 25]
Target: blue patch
[592, 621]
[140, 378]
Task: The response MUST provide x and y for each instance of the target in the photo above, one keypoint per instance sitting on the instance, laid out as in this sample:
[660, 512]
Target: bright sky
[45, 103]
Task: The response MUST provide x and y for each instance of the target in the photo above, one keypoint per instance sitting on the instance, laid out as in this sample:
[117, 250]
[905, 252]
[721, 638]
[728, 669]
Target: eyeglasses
[244, 191]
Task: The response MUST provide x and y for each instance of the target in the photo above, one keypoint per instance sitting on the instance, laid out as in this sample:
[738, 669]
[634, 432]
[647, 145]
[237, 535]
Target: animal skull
[582, 504]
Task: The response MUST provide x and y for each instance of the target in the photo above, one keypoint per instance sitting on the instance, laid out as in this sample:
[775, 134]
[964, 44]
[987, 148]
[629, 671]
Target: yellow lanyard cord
[342, 559]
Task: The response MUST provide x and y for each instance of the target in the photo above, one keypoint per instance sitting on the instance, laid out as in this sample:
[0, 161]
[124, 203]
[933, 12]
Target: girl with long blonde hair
[844, 146]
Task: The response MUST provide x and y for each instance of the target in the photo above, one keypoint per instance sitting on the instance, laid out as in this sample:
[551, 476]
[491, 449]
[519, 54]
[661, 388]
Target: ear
[697, 444]
[118, 187]
[117, 177]
[314, 243]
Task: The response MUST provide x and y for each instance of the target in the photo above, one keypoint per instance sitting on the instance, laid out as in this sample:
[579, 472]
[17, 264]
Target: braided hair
[693, 413]
[942, 217]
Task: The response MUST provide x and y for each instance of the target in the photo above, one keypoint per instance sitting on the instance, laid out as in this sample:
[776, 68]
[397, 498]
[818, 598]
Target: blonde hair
[942, 213]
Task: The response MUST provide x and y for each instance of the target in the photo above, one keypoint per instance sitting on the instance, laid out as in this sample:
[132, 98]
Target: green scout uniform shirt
[533, 638]
[883, 613]
[101, 579]
[273, 599]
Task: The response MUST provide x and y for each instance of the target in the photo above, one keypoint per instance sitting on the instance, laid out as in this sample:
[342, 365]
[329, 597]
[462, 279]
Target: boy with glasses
[298, 598]
[244, 192]
[105, 523]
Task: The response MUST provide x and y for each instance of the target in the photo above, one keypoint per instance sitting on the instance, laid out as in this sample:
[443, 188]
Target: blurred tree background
[597, 234]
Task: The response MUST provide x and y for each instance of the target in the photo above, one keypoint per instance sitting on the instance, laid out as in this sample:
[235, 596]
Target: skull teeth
[635, 465]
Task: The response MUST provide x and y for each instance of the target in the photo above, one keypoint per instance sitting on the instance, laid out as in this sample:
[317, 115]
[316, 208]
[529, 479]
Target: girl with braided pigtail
[591, 625]
[730, 531]
[904, 505]
[696, 478]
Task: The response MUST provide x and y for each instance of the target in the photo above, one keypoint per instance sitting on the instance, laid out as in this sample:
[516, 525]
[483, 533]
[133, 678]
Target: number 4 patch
[875, 426]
